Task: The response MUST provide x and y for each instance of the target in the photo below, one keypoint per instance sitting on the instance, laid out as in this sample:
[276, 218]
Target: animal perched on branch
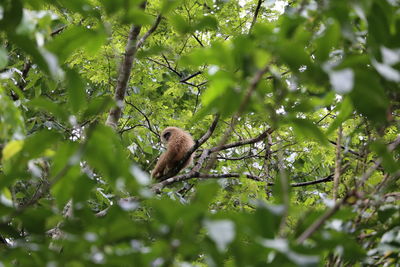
[178, 143]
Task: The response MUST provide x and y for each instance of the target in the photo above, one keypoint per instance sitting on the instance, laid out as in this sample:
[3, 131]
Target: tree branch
[198, 40]
[149, 32]
[131, 48]
[256, 12]
[195, 174]
[257, 139]
[123, 78]
[318, 223]
[150, 127]
[321, 220]
[190, 77]
[337, 164]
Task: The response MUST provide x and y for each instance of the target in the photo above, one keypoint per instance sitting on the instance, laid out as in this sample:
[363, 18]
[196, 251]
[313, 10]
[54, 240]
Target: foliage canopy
[295, 106]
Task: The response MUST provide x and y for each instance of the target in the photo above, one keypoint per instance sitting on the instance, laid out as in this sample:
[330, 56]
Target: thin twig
[321, 220]
[338, 160]
[190, 77]
[256, 12]
[150, 127]
[243, 142]
[149, 32]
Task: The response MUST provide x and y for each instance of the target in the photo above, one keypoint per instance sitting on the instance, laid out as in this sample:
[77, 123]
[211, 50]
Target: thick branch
[131, 48]
[123, 78]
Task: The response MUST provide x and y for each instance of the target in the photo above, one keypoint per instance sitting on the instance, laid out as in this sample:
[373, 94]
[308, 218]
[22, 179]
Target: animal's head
[167, 133]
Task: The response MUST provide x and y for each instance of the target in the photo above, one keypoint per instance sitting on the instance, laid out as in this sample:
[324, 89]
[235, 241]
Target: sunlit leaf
[12, 148]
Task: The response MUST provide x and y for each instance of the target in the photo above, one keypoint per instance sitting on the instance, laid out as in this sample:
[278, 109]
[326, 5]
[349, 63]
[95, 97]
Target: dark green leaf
[76, 91]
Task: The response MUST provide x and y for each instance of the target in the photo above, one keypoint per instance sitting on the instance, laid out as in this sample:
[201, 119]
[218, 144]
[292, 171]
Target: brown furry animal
[178, 143]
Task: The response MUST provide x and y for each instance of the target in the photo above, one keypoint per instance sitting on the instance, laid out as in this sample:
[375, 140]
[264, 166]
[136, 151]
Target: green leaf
[76, 91]
[369, 97]
[34, 220]
[49, 106]
[97, 106]
[3, 58]
[179, 24]
[46, 61]
[378, 24]
[151, 51]
[138, 17]
[345, 111]
[37, 143]
[294, 55]
[306, 129]
[83, 7]
[12, 122]
[168, 5]
[385, 212]
[221, 82]
[266, 219]
[12, 15]
[12, 148]
[33, 147]
[206, 23]
[328, 40]
[388, 161]
[63, 189]
[74, 38]
[104, 152]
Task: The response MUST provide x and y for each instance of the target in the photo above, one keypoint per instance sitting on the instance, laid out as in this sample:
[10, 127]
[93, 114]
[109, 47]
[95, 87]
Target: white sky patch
[242, 3]
[387, 71]
[292, 84]
[222, 232]
[390, 56]
[5, 201]
[141, 176]
[257, 166]
[128, 204]
[213, 69]
[342, 81]
[269, 3]
[34, 169]
[338, 98]
[279, 6]
[280, 110]
[292, 157]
